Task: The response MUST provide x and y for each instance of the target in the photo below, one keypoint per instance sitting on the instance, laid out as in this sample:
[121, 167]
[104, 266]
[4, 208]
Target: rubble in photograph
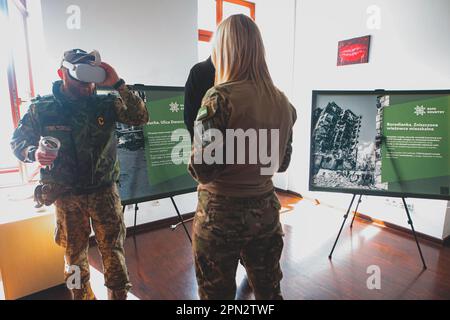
[339, 159]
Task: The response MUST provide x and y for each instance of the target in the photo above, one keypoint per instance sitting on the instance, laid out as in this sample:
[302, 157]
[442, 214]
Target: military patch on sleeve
[202, 113]
[210, 104]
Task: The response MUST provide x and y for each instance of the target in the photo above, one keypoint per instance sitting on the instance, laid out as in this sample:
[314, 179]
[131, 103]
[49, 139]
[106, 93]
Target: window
[16, 84]
[211, 13]
[226, 8]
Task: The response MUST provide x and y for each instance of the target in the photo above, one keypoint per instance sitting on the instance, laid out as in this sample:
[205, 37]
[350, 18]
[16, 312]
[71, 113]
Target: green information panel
[390, 143]
[153, 158]
[416, 140]
[166, 119]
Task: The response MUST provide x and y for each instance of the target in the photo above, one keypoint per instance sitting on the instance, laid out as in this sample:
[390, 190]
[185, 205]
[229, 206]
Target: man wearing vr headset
[82, 178]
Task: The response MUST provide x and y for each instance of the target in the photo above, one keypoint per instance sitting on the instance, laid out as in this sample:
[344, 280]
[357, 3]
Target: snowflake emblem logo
[174, 107]
[419, 110]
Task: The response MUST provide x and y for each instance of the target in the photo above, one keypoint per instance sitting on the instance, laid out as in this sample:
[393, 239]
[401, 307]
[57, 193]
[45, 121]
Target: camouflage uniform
[84, 174]
[103, 209]
[229, 229]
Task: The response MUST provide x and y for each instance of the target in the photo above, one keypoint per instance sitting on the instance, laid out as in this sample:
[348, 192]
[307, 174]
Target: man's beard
[81, 92]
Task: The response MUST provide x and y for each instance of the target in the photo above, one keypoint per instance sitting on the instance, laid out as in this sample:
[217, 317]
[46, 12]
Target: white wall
[152, 42]
[159, 52]
[161, 209]
[276, 23]
[277, 26]
[446, 231]
[410, 51]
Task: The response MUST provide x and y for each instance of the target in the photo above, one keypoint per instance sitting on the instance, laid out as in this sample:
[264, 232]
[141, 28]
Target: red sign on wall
[353, 51]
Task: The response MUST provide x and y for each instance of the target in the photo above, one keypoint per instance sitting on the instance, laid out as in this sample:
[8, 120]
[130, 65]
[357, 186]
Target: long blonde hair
[238, 54]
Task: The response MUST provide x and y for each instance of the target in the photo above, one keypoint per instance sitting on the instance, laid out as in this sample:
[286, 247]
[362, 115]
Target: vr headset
[88, 71]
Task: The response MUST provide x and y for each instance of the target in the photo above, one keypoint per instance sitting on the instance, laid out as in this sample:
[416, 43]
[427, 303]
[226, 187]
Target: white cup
[49, 145]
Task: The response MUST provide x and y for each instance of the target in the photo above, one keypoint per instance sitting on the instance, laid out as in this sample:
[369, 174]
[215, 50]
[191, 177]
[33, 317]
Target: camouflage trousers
[74, 215]
[227, 230]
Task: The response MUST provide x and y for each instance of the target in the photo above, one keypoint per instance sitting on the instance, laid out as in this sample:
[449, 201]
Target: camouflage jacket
[237, 106]
[87, 159]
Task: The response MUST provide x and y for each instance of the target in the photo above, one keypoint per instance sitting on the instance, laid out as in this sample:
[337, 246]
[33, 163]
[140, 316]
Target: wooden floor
[161, 267]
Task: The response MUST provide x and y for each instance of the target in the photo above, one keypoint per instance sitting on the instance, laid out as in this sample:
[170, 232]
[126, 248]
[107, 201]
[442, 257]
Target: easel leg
[410, 222]
[342, 226]
[181, 219]
[356, 211]
[176, 225]
[136, 209]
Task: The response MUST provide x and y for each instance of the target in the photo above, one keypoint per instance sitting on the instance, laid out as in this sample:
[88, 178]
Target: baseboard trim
[444, 242]
[296, 194]
[401, 229]
[158, 224]
[168, 222]
[150, 226]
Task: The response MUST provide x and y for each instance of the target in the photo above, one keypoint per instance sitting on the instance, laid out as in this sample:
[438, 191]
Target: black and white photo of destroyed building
[131, 154]
[344, 142]
[131, 138]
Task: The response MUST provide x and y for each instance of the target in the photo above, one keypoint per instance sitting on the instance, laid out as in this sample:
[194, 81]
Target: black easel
[356, 211]
[173, 227]
[180, 217]
[410, 222]
[136, 209]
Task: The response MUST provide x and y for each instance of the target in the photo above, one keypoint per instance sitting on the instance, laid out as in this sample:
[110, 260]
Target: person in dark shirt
[200, 80]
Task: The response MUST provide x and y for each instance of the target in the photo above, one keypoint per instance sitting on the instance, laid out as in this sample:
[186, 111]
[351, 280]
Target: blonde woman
[243, 135]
